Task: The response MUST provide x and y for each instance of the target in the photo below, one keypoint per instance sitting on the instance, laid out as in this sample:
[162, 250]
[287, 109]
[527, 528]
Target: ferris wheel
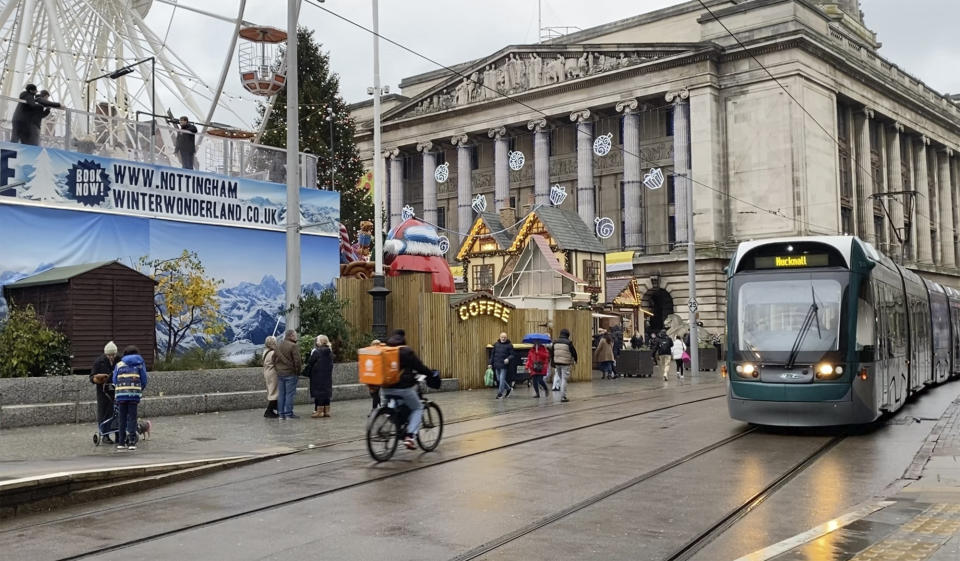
[60, 45]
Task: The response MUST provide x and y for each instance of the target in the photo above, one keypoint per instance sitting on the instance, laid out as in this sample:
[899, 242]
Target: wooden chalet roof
[565, 227]
[487, 224]
[60, 275]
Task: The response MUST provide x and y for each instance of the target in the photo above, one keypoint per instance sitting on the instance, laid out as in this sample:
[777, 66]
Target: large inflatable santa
[415, 246]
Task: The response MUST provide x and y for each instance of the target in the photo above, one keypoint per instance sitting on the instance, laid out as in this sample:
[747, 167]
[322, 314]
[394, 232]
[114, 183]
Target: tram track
[695, 544]
[341, 488]
[351, 440]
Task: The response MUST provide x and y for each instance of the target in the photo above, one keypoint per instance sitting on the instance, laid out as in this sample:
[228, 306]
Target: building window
[482, 277]
[513, 202]
[406, 165]
[846, 220]
[511, 144]
[671, 190]
[881, 233]
[442, 217]
[440, 157]
[550, 135]
[591, 273]
[671, 231]
[620, 130]
[668, 123]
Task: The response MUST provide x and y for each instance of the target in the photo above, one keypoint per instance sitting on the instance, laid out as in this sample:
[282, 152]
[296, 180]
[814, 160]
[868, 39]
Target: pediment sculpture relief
[518, 72]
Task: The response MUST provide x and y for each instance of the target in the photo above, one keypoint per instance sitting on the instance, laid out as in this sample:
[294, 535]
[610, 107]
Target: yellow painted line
[816, 532]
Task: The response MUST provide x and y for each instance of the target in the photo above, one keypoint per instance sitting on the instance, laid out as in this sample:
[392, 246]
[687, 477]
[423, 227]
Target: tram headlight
[827, 371]
[748, 370]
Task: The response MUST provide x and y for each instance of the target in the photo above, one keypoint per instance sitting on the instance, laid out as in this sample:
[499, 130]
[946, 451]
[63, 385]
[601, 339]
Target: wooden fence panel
[579, 323]
[403, 309]
[359, 309]
[436, 333]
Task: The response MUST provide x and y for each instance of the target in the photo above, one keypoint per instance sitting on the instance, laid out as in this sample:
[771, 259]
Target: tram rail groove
[287, 502]
[590, 501]
[689, 549]
[341, 442]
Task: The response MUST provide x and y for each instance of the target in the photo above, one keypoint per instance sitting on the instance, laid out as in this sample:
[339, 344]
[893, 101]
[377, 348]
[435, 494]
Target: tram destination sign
[791, 261]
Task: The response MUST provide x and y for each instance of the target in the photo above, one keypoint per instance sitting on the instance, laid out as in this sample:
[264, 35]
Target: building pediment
[523, 68]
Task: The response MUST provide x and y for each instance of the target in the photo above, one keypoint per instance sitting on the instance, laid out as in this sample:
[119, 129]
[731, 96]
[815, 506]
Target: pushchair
[109, 428]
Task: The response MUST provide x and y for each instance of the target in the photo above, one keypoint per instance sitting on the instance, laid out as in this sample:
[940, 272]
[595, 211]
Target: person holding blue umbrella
[538, 361]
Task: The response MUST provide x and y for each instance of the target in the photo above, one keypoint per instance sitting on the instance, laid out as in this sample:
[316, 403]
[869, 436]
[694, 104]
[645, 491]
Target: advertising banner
[60, 208]
[72, 180]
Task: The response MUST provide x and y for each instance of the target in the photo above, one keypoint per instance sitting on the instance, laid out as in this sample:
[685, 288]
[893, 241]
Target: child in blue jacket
[129, 379]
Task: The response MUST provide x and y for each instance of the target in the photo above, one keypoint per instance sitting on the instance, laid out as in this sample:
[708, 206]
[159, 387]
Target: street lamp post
[123, 71]
[333, 160]
[379, 291]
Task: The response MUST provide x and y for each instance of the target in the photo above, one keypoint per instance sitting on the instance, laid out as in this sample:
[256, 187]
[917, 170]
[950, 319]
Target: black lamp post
[153, 87]
[333, 162]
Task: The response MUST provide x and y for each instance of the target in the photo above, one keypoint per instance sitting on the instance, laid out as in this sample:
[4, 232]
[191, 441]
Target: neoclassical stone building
[797, 126]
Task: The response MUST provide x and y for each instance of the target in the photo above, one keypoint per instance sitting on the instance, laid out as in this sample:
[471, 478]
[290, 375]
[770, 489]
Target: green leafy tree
[30, 348]
[321, 313]
[185, 299]
[319, 89]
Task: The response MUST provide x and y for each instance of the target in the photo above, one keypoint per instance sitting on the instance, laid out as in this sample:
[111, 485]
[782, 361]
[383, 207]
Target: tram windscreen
[771, 314]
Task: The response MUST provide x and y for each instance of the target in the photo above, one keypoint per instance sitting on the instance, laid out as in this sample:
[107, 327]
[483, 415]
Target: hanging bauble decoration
[516, 160]
[442, 173]
[602, 144]
[605, 227]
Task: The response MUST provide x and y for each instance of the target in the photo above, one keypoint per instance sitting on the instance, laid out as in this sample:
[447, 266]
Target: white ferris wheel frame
[110, 37]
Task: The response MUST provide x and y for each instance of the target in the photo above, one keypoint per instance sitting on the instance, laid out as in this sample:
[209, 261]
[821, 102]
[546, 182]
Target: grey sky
[920, 39]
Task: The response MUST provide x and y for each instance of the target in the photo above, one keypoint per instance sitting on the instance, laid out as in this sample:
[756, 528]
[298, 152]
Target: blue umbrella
[534, 338]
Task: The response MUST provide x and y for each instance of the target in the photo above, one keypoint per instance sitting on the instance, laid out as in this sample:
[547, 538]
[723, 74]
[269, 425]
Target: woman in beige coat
[270, 376]
[603, 356]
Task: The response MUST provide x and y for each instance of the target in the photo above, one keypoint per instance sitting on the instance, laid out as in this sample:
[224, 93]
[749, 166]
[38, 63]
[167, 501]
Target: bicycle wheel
[431, 428]
[382, 435]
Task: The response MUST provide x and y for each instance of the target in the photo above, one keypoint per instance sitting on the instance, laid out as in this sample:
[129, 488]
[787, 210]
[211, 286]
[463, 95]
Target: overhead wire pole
[379, 291]
[293, 168]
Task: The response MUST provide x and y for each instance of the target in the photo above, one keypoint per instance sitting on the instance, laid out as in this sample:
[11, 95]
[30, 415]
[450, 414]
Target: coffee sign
[483, 307]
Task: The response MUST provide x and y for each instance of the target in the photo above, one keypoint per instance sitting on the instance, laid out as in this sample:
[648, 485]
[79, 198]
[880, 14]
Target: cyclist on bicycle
[406, 388]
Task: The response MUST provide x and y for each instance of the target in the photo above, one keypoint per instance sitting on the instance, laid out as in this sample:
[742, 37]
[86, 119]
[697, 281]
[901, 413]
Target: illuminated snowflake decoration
[516, 160]
[602, 144]
[444, 244]
[557, 195]
[442, 173]
[479, 204]
[407, 213]
[605, 227]
[653, 179]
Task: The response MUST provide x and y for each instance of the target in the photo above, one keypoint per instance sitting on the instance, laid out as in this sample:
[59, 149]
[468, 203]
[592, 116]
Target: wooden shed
[91, 304]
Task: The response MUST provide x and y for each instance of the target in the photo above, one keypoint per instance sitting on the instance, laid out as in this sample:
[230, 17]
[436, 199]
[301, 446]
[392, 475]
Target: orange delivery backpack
[379, 365]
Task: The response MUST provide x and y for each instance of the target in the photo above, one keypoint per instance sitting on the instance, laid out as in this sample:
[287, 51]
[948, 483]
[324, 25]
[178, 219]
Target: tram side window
[866, 319]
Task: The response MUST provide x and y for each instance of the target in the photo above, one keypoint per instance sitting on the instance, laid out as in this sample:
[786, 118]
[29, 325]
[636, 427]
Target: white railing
[119, 137]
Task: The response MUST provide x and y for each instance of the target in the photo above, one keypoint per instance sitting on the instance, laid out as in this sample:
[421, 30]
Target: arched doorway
[659, 302]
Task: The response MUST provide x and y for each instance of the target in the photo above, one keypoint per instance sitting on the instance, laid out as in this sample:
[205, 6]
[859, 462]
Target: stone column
[396, 186]
[922, 206]
[429, 182]
[632, 186]
[864, 176]
[501, 173]
[707, 156]
[585, 206]
[464, 213]
[541, 154]
[955, 204]
[910, 201]
[681, 160]
[945, 202]
[895, 184]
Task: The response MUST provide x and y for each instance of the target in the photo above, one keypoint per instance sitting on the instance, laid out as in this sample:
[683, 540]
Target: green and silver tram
[827, 331]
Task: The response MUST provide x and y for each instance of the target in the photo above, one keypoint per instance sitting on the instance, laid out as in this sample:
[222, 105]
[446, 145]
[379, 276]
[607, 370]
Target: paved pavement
[43, 450]
[919, 521]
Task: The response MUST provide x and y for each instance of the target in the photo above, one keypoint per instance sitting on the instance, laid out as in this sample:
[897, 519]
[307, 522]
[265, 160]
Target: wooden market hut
[91, 304]
[485, 252]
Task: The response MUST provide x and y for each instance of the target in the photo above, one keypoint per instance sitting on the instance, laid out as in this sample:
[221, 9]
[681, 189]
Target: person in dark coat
[500, 360]
[23, 117]
[636, 341]
[319, 369]
[186, 145]
[100, 376]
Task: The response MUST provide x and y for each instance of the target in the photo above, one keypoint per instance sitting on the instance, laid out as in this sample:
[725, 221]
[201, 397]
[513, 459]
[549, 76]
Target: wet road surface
[588, 480]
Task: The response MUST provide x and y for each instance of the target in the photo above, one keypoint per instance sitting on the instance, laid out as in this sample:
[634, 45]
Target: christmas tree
[43, 185]
[319, 89]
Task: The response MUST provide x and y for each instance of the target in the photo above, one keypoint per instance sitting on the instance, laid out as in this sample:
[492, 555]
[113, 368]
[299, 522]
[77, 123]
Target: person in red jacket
[538, 363]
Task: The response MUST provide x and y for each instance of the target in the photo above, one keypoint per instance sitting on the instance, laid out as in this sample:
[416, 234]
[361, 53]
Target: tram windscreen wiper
[813, 315]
